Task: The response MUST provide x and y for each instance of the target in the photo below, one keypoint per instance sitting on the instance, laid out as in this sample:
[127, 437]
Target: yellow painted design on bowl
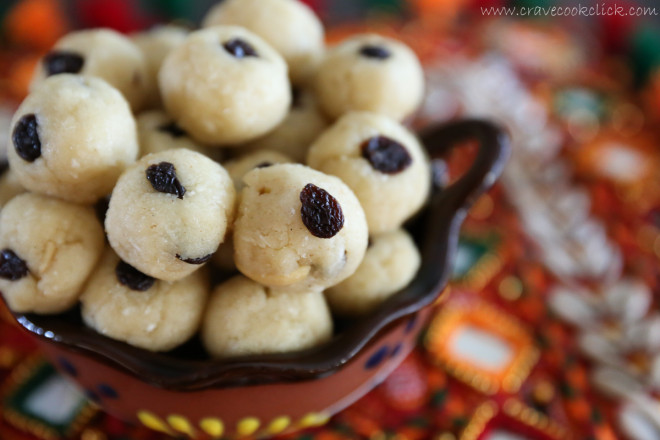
[212, 426]
[152, 421]
[313, 419]
[279, 424]
[181, 424]
[247, 426]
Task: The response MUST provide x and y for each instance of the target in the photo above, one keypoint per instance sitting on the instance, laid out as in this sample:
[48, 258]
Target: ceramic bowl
[184, 393]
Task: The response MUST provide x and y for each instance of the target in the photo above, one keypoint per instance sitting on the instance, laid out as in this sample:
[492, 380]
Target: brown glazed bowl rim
[436, 230]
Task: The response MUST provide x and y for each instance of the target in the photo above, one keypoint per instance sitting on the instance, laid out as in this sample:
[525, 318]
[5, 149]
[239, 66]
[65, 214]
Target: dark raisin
[264, 164]
[240, 48]
[62, 61]
[163, 178]
[173, 130]
[26, 138]
[101, 208]
[12, 268]
[377, 52]
[4, 166]
[296, 97]
[200, 260]
[386, 155]
[320, 212]
[133, 278]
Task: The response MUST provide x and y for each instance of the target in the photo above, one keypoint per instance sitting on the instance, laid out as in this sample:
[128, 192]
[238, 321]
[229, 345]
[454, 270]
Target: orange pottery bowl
[185, 393]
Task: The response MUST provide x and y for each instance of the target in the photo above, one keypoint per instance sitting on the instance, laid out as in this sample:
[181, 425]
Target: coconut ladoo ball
[123, 303]
[155, 45]
[157, 132]
[370, 73]
[304, 123]
[298, 227]
[10, 187]
[289, 26]
[244, 318]
[381, 161]
[101, 53]
[71, 138]
[169, 213]
[239, 167]
[390, 264]
[48, 248]
[225, 86]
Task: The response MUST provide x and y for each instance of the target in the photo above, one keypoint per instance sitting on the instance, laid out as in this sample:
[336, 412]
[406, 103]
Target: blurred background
[30, 27]
[558, 265]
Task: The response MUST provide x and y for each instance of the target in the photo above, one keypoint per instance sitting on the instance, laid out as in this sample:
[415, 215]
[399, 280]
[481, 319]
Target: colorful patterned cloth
[550, 328]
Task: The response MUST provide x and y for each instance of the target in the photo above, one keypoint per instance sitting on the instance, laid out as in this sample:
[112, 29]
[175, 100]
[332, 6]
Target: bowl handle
[494, 150]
